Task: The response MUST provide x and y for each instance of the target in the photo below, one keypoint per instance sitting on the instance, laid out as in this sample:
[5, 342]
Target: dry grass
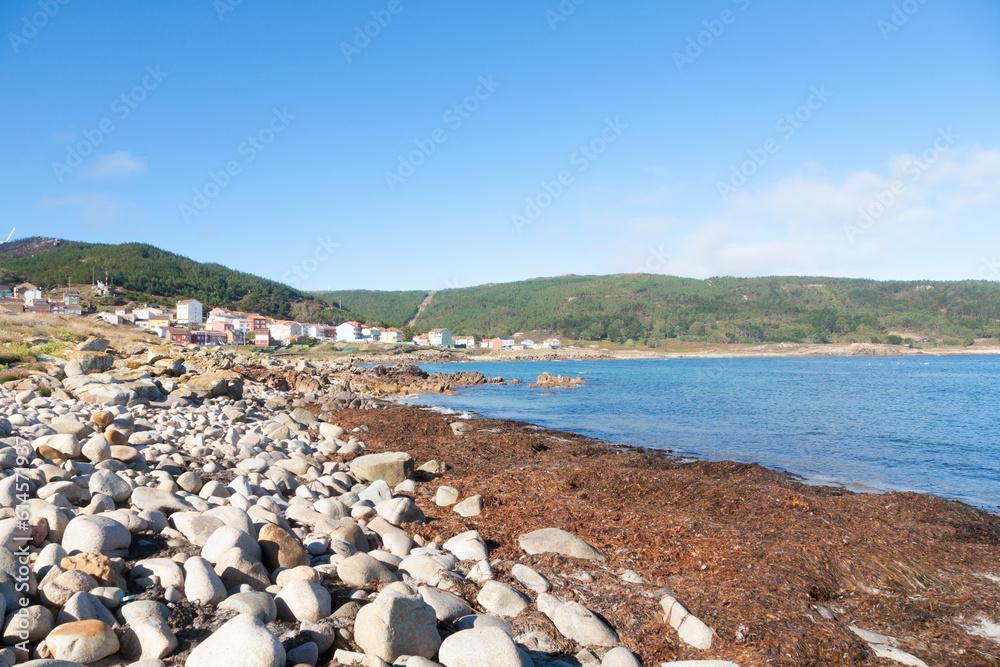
[15, 327]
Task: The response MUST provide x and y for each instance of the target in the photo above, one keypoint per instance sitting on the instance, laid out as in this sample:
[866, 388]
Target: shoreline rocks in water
[236, 520]
[548, 381]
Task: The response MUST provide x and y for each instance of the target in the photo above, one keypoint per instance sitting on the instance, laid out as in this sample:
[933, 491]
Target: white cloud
[865, 224]
[115, 165]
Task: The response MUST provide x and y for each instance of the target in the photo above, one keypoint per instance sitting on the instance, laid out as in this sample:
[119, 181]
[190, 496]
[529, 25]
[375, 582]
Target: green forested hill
[143, 273]
[393, 308]
[637, 307]
[652, 307]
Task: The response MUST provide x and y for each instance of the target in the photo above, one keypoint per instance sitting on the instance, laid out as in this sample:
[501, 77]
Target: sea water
[927, 424]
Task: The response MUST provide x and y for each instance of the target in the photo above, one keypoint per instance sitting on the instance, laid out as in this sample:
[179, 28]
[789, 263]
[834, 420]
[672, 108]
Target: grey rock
[500, 599]
[396, 624]
[245, 636]
[481, 646]
[87, 533]
[554, 540]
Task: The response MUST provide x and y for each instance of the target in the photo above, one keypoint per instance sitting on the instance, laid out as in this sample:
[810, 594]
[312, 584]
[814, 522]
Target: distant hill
[144, 273]
[392, 308]
[643, 307]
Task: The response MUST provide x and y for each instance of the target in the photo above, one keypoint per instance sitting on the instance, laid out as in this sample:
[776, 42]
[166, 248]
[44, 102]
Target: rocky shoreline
[171, 506]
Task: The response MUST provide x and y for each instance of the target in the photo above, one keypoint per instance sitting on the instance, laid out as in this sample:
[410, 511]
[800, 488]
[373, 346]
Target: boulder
[481, 646]
[82, 641]
[554, 540]
[241, 642]
[303, 600]
[87, 533]
[500, 599]
[391, 467]
[396, 624]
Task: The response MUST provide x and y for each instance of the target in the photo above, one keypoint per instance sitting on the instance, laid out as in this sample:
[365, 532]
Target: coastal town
[187, 323]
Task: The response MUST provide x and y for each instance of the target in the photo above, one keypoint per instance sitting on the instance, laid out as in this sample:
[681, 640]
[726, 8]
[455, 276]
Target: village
[187, 324]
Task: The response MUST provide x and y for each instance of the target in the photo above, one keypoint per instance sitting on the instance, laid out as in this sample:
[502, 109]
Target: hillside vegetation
[392, 308]
[142, 273]
[652, 308]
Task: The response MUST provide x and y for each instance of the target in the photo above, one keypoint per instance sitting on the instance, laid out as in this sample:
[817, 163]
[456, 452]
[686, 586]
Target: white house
[31, 296]
[284, 329]
[439, 337]
[189, 312]
[349, 331]
[506, 343]
[464, 341]
[146, 312]
[551, 343]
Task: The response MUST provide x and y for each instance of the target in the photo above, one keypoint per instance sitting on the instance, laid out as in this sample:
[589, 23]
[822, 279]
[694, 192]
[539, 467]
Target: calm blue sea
[927, 424]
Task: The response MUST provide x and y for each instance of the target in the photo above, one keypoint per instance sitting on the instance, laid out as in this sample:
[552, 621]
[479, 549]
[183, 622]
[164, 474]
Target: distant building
[234, 337]
[208, 337]
[109, 317]
[71, 298]
[392, 335]
[19, 290]
[40, 306]
[157, 321]
[506, 343]
[30, 296]
[258, 323]
[6, 292]
[464, 341]
[551, 343]
[11, 306]
[263, 339]
[284, 329]
[439, 337]
[189, 312]
[146, 312]
[177, 335]
[422, 340]
[349, 331]
[527, 344]
[491, 344]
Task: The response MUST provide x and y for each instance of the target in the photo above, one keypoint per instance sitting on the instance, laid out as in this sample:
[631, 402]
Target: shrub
[893, 339]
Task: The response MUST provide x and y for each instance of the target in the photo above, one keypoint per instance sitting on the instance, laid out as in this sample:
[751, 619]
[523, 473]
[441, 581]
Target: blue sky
[461, 143]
